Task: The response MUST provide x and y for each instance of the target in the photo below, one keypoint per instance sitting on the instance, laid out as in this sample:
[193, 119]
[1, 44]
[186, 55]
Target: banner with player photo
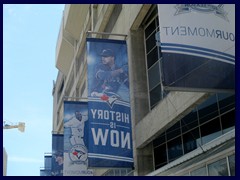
[45, 172]
[197, 43]
[75, 139]
[47, 165]
[109, 115]
[57, 155]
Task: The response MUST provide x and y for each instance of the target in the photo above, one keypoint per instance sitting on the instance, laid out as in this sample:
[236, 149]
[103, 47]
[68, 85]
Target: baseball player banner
[45, 172]
[47, 165]
[57, 155]
[109, 117]
[198, 46]
[75, 137]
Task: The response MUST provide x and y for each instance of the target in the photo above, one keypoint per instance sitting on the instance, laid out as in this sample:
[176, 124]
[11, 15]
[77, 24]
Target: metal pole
[68, 97]
[105, 33]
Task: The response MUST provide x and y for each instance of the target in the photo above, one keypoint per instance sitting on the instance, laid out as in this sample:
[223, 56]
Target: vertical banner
[45, 172]
[75, 139]
[198, 46]
[57, 155]
[47, 165]
[110, 131]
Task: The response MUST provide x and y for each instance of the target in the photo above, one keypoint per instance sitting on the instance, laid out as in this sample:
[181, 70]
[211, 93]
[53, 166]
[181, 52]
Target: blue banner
[45, 172]
[57, 155]
[75, 139]
[197, 42]
[47, 166]
[110, 131]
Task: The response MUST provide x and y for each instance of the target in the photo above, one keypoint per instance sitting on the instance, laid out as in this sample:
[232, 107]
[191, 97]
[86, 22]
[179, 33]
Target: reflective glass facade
[207, 121]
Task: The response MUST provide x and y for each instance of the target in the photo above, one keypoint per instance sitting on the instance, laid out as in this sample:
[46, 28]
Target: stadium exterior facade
[175, 133]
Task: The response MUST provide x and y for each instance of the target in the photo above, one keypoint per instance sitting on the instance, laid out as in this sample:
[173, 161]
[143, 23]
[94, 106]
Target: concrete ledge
[172, 108]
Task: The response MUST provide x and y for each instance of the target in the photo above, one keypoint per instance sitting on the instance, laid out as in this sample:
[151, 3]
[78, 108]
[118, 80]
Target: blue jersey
[104, 80]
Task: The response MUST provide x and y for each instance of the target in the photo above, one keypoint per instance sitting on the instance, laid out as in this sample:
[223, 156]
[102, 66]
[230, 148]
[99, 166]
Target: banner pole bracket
[106, 33]
[77, 98]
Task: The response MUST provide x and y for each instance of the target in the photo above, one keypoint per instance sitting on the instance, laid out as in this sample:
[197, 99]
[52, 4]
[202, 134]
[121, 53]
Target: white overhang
[75, 16]
[71, 27]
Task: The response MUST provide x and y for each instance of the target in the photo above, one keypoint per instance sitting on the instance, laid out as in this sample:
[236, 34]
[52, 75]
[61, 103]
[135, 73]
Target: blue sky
[30, 34]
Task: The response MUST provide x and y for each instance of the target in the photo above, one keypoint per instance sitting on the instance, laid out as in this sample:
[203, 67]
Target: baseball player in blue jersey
[110, 79]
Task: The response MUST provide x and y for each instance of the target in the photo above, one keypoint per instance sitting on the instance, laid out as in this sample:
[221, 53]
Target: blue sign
[110, 131]
[197, 43]
[75, 139]
[57, 155]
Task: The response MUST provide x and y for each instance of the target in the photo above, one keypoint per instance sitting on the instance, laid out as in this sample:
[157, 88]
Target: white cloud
[25, 160]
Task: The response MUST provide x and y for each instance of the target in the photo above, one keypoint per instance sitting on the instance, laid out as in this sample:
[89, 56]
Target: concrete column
[143, 160]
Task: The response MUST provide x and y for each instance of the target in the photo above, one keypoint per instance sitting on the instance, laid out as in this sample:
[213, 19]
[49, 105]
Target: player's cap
[107, 53]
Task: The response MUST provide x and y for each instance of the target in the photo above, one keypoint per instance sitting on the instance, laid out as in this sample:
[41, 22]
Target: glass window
[173, 131]
[130, 172]
[210, 130]
[193, 134]
[152, 57]
[231, 160]
[160, 156]
[152, 78]
[153, 53]
[155, 95]
[191, 140]
[174, 149]
[151, 41]
[117, 172]
[208, 109]
[150, 28]
[226, 102]
[159, 140]
[228, 121]
[123, 172]
[218, 168]
[190, 121]
[199, 172]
